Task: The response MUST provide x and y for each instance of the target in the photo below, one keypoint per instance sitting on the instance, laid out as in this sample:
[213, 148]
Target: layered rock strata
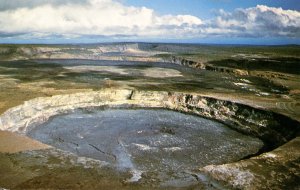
[274, 129]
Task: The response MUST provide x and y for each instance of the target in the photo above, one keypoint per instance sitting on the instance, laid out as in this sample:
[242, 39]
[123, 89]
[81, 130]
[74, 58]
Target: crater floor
[262, 77]
[159, 144]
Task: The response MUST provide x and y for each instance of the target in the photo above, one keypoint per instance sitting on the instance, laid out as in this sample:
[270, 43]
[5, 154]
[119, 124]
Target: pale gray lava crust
[163, 143]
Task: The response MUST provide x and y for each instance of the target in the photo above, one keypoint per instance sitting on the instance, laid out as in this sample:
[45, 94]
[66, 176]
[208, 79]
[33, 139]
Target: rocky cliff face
[272, 128]
[278, 169]
[205, 65]
[122, 51]
[18, 118]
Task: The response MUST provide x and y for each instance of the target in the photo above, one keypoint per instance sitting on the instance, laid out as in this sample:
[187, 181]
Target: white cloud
[96, 17]
[14, 4]
[259, 21]
[92, 18]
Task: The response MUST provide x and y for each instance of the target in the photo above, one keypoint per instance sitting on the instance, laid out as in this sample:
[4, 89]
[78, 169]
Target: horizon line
[146, 42]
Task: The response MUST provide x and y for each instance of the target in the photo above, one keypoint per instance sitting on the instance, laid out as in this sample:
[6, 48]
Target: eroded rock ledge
[274, 129]
[206, 66]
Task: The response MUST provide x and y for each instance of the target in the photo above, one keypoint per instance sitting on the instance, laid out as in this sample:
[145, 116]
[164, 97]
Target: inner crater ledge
[154, 138]
[147, 142]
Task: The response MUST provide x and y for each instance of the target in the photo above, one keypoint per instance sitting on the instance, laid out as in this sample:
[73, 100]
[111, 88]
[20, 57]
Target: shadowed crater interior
[149, 142]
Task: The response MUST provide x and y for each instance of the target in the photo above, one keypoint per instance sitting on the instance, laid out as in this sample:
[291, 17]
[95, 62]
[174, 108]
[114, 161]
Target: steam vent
[149, 116]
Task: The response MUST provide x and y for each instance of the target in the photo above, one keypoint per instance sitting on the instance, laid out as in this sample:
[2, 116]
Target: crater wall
[274, 129]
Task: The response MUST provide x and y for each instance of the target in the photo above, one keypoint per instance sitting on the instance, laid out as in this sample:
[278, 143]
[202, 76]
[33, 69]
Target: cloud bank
[259, 21]
[109, 18]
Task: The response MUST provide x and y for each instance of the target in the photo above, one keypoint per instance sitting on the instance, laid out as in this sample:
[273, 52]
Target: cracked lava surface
[151, 143]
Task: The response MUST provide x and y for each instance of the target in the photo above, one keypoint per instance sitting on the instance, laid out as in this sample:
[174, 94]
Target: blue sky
[186, 21]
[206, 8]
[201, 7]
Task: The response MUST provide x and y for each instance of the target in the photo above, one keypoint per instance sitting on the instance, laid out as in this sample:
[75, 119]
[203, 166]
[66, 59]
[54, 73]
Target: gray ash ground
[154, 144]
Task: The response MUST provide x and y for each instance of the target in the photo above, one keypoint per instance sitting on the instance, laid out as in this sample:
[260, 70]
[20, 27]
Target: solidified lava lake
[157, 141]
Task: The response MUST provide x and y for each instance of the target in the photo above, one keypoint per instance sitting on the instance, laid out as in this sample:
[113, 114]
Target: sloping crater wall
[274, 129]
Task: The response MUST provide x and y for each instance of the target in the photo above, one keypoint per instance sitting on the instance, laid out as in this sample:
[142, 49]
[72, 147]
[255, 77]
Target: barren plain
[254, 91]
